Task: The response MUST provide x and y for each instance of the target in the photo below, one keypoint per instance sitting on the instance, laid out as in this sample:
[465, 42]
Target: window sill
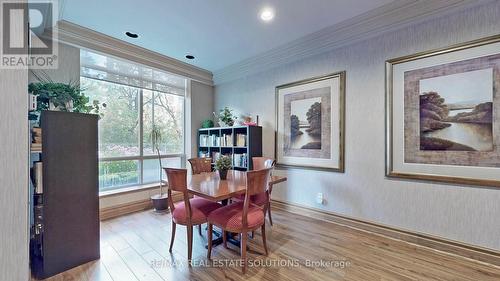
[129, 189]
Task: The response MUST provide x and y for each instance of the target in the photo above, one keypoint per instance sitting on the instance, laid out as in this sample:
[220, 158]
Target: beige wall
[202, 107]
[463, 213]
[14, 138]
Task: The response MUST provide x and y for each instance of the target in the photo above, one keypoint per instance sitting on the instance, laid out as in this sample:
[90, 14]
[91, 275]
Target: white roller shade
[106, 68]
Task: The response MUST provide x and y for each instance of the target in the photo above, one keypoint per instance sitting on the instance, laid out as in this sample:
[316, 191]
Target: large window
[136, 98]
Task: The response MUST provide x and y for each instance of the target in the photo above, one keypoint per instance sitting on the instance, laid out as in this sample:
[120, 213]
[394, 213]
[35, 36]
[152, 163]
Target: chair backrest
[260, 163]
[257, 182]
[177, 181]
[200, 165]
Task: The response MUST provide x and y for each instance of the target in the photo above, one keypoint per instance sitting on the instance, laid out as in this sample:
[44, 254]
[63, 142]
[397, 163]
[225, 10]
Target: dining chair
[260, 163]
[242, 217]
[200, 165]
[263, 200]
[189, 212]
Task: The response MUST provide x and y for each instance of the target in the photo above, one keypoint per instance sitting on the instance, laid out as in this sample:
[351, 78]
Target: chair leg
[263, 230]
[199, 230]
[243, 246]
[209, 237]
[224, 238]
[190, 242]
[269, 214]
[172, 238]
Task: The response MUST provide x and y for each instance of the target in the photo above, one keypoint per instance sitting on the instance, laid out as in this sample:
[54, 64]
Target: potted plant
[61, 97]
[223, 164]
[207, 123]
[226, 117]
[160, 201]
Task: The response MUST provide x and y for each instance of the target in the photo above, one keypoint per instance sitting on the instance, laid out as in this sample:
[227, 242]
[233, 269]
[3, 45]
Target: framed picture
[310, 123]
[443, 114]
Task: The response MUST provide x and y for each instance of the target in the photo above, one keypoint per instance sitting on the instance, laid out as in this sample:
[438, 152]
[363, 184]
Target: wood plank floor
[135, 247]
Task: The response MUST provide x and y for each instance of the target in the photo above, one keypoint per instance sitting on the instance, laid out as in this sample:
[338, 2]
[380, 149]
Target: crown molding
[392, 16]
[80, 36]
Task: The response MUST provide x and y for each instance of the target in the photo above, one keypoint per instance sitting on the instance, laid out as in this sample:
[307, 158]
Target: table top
[211, 187]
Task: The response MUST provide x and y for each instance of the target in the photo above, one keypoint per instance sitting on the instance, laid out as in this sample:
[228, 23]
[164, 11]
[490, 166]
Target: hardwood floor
[135, 247]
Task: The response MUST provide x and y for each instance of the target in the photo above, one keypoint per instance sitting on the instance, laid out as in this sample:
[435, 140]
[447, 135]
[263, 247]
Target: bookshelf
[241, 143]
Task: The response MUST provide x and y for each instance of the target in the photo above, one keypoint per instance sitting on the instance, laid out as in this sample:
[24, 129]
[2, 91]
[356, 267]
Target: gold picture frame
[397, 146]
[326, 152]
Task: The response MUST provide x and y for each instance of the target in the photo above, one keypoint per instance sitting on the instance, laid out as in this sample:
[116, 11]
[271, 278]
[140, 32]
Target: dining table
[211, 187]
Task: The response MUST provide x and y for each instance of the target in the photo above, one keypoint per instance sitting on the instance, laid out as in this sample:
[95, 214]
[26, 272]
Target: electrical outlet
[320, 199]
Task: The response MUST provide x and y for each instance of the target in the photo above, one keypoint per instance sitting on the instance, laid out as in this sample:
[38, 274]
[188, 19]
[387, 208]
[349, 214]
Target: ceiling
[218, 32]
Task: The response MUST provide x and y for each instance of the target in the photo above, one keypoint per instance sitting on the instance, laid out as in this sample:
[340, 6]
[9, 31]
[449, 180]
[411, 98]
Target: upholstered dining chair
[263, 200]
[260, 163]
[189, 212]
[200, 165]
[243, 216]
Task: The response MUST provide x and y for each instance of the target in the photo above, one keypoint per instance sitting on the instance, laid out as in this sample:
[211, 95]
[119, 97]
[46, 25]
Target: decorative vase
[223, 174]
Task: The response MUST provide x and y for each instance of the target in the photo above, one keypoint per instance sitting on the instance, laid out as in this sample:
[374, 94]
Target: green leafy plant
[156, 137]
[223, 163]
[207, 124]
[226, 116]
[60, 95]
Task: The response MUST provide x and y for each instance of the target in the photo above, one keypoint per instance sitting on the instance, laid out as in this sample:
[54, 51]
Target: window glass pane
[166, 112]
[115, 174]
[151, 169]
[119, 125]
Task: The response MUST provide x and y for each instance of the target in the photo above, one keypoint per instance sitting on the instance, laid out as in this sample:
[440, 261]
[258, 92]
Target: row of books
[239, 160]
[224, 140]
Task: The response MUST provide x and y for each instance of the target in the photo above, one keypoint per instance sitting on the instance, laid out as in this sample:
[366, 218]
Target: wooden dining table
[211, 187]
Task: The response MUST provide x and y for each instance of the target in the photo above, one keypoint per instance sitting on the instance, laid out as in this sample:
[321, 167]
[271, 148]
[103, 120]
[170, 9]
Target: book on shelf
[227, 140]
[215, 140]
[241, 140]
[240, 160]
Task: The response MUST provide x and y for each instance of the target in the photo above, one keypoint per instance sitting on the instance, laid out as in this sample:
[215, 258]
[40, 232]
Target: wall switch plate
[320, 199]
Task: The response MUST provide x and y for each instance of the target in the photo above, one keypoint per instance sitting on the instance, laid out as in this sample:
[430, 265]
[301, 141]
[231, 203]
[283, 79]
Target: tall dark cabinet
[65, 233]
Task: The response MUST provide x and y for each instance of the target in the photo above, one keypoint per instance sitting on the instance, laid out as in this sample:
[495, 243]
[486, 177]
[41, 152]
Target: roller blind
[111, 69]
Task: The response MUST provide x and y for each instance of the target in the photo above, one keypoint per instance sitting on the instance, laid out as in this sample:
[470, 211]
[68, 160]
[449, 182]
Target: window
[136, 98]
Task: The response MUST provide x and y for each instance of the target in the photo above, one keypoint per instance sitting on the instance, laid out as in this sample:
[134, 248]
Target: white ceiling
[218, 32]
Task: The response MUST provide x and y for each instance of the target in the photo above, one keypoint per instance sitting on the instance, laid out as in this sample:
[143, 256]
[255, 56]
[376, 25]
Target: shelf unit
[252, 144]
[65, 230]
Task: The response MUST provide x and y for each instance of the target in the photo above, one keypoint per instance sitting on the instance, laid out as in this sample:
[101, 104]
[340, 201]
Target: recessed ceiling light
[190, 57]
[267, 14]
[131, 35]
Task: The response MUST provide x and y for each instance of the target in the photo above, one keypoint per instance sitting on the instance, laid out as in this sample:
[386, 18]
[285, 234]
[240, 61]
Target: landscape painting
[456, 111]
[443, 114]
[305, 124]
[310, 123]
